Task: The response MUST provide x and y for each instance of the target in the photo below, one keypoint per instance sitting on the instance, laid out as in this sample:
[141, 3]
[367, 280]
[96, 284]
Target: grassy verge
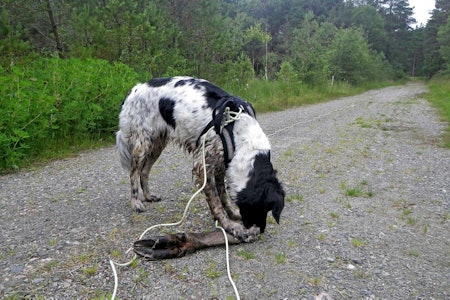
[276, 95]
[58, 113]
[51, 108]
[439, 97]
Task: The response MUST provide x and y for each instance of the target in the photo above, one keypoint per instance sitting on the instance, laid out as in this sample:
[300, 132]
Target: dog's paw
[243, 234]
[235, 229]
[251, 234]
[137, 205]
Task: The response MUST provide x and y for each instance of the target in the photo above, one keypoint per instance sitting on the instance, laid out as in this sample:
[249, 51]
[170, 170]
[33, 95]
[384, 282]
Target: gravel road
[367, 215]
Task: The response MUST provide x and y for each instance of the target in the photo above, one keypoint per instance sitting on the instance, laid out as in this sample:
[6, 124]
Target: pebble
[37, 280]
[42, 253]
[381, 273]
[17, 269]
[351, 267]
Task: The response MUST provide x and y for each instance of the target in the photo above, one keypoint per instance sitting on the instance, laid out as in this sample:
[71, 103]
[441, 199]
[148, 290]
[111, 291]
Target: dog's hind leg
[158, 146]
[138, 158]
[143, 155]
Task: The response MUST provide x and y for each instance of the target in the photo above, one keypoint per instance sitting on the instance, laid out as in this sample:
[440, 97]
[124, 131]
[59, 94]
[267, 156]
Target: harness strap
[224, 114]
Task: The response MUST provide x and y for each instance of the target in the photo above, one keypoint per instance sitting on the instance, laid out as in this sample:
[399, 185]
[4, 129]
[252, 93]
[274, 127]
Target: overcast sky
[422, 10]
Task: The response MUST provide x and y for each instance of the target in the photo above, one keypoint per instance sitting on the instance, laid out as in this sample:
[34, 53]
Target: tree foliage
[66, 64]
[200, 37]
[309, 49]
[443, 38]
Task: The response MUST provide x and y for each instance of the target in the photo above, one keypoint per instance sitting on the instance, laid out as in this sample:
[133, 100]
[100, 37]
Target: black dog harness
[223, 122]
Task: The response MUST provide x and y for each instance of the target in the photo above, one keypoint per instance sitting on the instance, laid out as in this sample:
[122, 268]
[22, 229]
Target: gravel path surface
[367, 215]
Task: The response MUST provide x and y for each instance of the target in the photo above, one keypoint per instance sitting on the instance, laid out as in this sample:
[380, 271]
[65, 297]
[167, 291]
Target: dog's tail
[124, 149]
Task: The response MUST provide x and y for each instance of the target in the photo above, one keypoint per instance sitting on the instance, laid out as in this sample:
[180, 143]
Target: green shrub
[50, 102]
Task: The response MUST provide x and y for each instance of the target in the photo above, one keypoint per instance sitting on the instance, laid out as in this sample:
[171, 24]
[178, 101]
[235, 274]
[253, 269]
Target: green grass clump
[363, 189]
[212, 271]
[294, 197]
[357, 242]
[280, 257]
[245, 254]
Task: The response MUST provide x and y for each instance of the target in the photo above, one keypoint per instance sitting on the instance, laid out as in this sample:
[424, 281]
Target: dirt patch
[366, 217]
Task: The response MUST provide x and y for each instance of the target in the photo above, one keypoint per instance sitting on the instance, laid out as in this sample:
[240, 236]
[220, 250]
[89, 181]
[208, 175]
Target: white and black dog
[182, 109]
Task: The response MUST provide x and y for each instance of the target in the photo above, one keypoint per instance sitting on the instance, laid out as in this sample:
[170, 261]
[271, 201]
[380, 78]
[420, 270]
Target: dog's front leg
[233, 212]
[234, 228]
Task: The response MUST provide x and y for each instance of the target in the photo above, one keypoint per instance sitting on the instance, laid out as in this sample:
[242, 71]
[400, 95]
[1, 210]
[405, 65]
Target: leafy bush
[287, 73]
[352, 60]
[49, 102]
[236, 73]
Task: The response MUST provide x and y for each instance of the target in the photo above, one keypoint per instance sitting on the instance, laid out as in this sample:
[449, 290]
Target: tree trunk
[59, 46]
[267, 61]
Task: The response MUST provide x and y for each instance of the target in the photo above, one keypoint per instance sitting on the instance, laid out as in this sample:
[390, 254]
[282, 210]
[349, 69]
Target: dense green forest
[66, 65]
[353, 40]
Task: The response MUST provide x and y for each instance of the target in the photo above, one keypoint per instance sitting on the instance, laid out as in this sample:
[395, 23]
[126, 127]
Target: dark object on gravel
[179, 244]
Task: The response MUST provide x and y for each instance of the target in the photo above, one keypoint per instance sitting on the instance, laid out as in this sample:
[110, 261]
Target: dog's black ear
[276, 204]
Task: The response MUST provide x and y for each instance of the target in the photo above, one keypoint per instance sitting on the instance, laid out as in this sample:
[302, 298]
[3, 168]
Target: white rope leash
[227, 256]
[310, 120]
[231, 117]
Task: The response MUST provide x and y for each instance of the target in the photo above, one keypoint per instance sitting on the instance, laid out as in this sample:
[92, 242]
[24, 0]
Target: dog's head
[263, 193]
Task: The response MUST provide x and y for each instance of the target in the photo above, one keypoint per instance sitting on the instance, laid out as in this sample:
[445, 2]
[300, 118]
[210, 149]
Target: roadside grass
[265, 96]
[439, 97]
[277, 95]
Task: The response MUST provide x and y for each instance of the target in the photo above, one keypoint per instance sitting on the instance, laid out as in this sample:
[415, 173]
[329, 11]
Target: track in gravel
[367, 214]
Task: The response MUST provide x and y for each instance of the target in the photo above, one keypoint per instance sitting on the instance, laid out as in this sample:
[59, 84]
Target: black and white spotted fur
[178, 109]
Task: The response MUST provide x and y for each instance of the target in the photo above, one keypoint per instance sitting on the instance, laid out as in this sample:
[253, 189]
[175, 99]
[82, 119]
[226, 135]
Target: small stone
[351, 267]
[18, 269]
[367, 293]
[37, 280]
